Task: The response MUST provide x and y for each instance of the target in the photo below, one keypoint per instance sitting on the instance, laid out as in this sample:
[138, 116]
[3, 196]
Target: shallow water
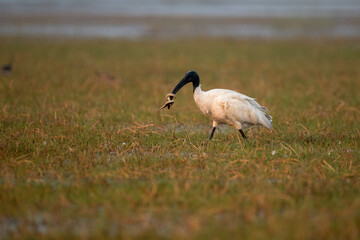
[210, 8]
[61, 18]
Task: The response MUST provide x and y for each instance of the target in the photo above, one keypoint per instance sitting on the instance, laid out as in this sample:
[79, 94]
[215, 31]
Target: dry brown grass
[83, 154]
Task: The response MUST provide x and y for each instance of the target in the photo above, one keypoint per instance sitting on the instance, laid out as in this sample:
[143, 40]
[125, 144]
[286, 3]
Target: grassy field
[84, 155]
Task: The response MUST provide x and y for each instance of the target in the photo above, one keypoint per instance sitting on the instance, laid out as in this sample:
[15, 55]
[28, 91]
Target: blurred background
[83, 156]
[164, 19]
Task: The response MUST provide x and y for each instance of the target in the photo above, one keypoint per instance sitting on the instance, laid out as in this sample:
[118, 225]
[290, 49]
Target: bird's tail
[265, 119]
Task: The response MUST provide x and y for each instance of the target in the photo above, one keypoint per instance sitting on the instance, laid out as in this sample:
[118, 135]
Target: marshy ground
[84, 155]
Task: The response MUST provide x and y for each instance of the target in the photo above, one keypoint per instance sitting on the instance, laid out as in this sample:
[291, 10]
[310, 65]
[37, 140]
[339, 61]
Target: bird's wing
[241, 97]
[243, 108]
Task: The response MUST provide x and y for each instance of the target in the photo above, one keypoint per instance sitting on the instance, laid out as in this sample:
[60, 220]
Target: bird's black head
[191, 76]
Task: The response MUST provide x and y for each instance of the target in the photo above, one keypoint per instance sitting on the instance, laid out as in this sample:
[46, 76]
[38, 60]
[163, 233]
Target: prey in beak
[191, 76]
[170, 101]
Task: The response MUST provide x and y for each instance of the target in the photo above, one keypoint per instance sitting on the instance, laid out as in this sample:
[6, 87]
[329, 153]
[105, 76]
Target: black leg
[242, 134]
[212, 133]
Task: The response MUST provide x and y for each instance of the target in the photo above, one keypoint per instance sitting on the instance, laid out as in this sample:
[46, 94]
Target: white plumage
[225, 106]
[232, 108]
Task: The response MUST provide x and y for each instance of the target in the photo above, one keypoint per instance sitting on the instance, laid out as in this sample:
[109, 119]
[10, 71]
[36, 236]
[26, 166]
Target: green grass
[84, 155]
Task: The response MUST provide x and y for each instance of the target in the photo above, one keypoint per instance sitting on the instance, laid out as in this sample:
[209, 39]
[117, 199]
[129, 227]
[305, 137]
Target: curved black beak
[191, 76]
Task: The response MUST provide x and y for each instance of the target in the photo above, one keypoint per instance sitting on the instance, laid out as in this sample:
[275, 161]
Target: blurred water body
[209, 8]
[135, 18]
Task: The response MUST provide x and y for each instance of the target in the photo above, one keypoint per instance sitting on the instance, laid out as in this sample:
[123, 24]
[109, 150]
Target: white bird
[224, 106]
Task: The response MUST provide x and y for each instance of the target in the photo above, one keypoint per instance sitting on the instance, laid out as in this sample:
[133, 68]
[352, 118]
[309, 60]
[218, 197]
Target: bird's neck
[199, 94]
[201, 100]
[197, 89]
[196, 84]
